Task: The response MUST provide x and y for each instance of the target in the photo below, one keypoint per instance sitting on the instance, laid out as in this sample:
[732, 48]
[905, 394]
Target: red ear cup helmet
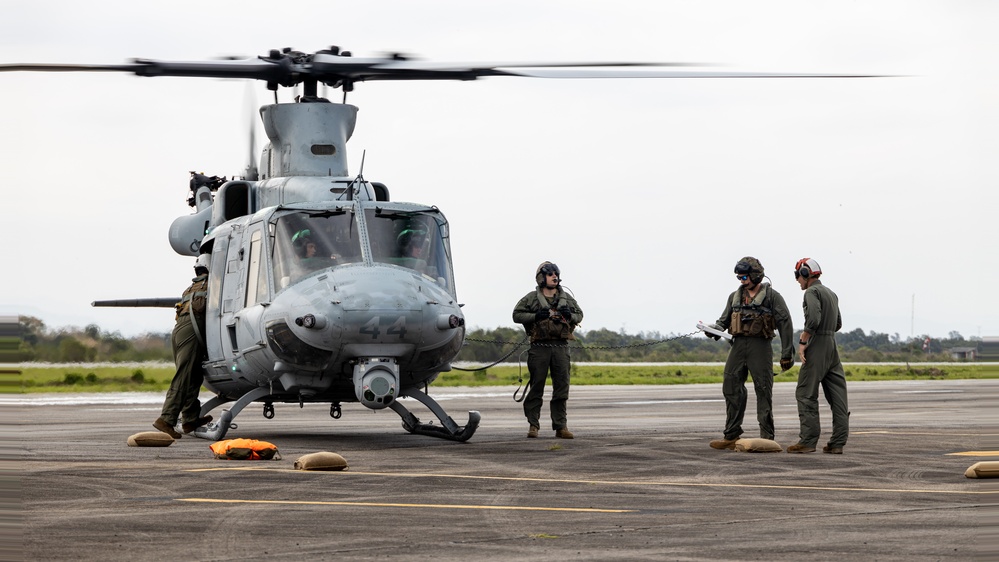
[807, 267]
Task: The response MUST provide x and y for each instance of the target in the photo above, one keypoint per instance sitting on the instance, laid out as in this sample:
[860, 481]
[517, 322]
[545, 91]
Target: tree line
[32, 340]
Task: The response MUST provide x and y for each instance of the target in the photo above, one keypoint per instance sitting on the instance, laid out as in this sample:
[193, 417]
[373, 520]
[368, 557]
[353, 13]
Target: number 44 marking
[373, 327]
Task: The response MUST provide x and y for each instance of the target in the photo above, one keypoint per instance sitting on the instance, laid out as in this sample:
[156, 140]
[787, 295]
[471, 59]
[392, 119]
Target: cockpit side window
[256, 282]
[310, 241]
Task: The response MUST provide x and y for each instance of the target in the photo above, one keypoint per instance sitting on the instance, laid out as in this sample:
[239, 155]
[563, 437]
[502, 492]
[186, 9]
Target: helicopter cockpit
[305, 242]
[409, 239]
[309, 241]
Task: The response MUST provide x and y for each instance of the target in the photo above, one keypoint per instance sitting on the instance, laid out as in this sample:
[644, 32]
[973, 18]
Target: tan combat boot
[799, 448]
[533, 432]
[563, 433]
[723, 444]
[165, 428]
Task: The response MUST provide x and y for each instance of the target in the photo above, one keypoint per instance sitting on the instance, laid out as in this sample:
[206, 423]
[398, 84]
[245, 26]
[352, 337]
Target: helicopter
[322, 289]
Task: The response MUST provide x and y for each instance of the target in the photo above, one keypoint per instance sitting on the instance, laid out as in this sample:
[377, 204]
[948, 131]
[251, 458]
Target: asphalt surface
[639, 482]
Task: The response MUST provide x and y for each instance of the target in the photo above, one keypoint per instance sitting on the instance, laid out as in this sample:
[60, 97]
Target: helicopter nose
[383, 304]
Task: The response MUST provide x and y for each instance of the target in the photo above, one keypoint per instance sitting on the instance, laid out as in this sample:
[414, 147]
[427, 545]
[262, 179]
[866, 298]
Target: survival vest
[753, 319]
[548, 329]
[245, 450]
[194, 299]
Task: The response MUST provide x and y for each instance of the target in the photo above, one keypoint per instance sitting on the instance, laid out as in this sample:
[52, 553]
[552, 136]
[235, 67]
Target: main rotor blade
[42, 67]
[252, 173]
[596, 73]
[293, 68]
[282, 72]
[332, 68]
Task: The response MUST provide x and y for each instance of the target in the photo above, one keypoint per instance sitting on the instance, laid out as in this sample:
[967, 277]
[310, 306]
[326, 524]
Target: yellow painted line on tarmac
[975, 454]
[626, 482]
[675, 484]
[430, 505]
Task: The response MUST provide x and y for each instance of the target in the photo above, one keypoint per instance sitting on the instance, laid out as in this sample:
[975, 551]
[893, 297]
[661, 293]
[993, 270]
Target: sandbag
[984, 469]
[150, 439]
[757, 445]
[245, 450]
[321, 461]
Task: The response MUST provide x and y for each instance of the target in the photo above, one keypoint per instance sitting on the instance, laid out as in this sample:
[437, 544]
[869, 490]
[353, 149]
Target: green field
[156, 377]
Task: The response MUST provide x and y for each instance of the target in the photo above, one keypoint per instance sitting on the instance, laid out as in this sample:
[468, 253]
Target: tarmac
[639, 482]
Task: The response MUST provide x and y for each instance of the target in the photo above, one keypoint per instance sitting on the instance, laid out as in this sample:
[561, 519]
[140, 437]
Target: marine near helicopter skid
[322, 289]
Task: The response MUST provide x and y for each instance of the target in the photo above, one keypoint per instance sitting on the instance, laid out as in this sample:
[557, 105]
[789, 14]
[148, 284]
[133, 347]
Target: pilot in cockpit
[411, 243]
[304, 246]
[306, 250]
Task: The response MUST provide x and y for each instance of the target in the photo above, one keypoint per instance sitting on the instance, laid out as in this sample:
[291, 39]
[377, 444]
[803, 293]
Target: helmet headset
[807, 267]
[752, 267]
[201, 264]
[545, 269]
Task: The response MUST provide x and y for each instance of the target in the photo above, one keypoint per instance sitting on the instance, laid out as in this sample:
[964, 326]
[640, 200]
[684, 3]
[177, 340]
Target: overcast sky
[645, 192]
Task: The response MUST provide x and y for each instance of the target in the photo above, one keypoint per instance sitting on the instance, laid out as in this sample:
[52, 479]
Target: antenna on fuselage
[356, 182]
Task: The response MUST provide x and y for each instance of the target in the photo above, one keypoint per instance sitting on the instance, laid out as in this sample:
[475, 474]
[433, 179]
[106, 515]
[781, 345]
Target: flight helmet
[545, 269]
[752, 267]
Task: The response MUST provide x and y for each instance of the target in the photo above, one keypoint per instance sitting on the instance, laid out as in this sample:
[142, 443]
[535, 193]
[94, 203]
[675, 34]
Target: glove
[566, 313]
[541, 315]
[713, 336]
[786, 364]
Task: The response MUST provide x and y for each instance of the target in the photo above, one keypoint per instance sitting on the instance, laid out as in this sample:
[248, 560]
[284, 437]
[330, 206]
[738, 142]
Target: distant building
[988, 349]
[963, 353]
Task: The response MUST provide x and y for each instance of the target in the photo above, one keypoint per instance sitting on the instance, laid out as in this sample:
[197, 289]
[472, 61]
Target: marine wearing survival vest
[752, 313]
[189, 351]
[549, 316]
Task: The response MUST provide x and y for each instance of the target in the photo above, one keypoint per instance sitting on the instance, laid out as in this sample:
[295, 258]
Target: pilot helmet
[409, 233]
[201, 264]
[752, 267]
[301, 237]
[545, 269]
[807, 267]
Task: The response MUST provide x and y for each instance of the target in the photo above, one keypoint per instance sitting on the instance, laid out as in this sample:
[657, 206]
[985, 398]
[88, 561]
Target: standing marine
[549, 316]
[189, 352]
[751, 315]
[820, 364]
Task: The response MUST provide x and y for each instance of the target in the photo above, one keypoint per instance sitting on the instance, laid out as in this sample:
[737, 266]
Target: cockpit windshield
[415, 240]
[309, 241]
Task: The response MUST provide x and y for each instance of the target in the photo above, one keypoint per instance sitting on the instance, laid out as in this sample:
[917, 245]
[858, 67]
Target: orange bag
[245, 450]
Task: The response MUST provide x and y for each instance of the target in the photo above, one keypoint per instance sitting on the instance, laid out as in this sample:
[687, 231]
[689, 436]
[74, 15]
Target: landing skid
[448, 430]
[216, 430]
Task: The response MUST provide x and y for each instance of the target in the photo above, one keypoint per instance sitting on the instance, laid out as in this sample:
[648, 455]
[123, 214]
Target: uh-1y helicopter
[321, 288]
